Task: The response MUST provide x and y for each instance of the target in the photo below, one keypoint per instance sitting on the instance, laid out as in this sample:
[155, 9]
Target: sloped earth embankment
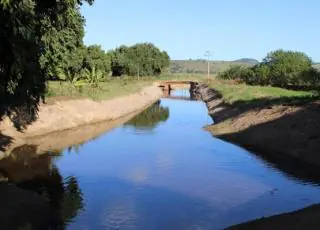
[277, 131]
[69, 122]
[267, 126]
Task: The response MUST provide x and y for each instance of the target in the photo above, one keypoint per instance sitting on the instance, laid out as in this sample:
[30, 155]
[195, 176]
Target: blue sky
[230, 29]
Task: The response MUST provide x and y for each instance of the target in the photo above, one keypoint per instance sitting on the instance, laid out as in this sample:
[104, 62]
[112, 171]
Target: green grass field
[233, 93]
[106, 90]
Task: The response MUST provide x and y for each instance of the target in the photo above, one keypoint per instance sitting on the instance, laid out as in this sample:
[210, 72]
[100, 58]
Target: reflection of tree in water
[39, 175]
[150, 118]
[64, 196]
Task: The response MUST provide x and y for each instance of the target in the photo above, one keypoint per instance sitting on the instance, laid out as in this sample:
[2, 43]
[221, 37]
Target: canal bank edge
[73, 114]
[306, 218]
[281, 130]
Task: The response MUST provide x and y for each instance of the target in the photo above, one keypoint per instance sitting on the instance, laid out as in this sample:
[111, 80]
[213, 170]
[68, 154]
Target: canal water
[162, 170]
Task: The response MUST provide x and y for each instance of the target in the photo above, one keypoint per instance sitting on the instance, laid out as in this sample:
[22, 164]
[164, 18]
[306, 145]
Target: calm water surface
[162, 170]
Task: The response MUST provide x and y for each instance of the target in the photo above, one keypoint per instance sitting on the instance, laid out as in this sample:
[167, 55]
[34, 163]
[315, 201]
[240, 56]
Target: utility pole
[208, 54]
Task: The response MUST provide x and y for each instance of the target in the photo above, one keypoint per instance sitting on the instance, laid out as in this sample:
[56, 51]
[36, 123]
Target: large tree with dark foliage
[36, 38]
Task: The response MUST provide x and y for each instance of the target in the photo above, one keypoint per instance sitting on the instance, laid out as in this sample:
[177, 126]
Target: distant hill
[201, 66]
[316, 65]
[248, 60]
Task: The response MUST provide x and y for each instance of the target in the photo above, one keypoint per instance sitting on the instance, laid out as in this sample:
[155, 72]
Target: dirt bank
[307, 218]
[66, 115]
[267, 126]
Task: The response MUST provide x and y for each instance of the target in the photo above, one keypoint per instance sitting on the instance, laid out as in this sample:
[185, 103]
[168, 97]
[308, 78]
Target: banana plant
[93, 77]
[75, 79]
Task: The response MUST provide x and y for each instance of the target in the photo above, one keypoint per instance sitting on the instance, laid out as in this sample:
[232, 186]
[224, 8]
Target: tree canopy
[286, 66]
[142, 59]
[36, 37]
[96, 57]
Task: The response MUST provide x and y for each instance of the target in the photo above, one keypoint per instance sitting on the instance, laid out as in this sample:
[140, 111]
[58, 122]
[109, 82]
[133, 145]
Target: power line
[208, 54]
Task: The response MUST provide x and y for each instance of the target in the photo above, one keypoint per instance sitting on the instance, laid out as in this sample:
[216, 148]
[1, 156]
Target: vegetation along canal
[162, 170]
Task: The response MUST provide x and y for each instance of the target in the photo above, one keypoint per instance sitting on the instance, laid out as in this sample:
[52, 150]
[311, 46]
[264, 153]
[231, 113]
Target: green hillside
[201, 66]
[316, 65]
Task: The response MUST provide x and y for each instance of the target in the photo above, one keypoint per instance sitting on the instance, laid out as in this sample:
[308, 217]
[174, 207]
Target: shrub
[261, 75]
[279, 68]
[235, 72]
[285, 67]
[311, 77]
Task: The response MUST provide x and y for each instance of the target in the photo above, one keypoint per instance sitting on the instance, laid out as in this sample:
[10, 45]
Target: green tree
[311, 77]
[119, 61]
[142, 59]
[279, 68]
[286, 67]
[35, 38]
[260, 75]
[62, 34]
[97, 58]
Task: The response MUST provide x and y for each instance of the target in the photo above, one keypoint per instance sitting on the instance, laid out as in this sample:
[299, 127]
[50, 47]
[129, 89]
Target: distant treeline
[279, 68]
[90, 63]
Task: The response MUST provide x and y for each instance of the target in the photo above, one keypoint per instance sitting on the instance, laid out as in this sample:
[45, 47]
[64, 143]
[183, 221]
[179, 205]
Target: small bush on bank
[235, 72]
[312, 76]
[261, 73]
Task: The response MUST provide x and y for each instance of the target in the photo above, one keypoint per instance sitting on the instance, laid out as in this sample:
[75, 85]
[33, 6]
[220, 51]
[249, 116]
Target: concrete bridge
[176, 84]
[168, 86]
